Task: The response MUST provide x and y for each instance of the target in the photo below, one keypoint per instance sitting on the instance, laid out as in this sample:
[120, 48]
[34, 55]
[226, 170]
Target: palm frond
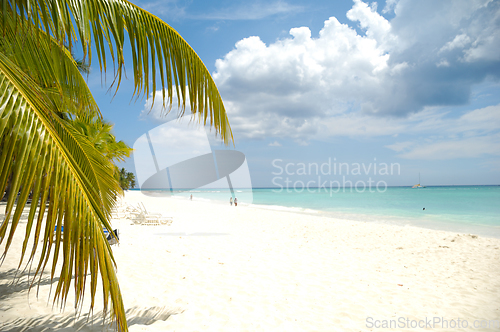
[100, 135]
[155, 46]
[71, 184]
[51, 66]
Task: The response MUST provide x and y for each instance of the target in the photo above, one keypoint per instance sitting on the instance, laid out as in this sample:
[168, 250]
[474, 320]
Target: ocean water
[464, 209]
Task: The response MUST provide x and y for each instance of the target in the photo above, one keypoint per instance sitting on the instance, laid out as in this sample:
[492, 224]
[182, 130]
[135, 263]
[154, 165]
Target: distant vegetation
[127, 179]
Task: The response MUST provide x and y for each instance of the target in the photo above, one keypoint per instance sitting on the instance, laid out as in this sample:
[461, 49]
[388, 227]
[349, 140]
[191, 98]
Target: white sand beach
[224, 268]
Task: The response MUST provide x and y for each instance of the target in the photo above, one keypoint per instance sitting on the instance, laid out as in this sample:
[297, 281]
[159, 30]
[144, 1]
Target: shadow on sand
[85, 322]
[20, 282]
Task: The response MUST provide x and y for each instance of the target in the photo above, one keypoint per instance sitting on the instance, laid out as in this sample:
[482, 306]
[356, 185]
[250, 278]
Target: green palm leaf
[51, 66]
[155, 47]
[72, 181]
[46, 155]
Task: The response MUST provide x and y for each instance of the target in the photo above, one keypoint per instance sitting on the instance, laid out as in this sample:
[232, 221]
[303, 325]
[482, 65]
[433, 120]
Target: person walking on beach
[231, 201]
[235, 201]
[191, 197]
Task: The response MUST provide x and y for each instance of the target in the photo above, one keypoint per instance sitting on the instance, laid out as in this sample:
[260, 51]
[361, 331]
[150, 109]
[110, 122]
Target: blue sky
[409, 82]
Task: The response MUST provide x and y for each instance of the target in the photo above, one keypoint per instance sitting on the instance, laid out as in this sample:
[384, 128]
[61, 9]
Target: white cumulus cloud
[342, 82]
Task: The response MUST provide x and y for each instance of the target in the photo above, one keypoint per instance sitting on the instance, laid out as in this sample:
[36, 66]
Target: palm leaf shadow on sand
[19, 281]
[85, 322]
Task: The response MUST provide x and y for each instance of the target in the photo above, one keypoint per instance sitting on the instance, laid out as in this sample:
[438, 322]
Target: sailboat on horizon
[418, 185]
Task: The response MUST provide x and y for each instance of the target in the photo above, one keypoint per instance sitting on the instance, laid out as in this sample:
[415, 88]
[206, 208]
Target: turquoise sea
[465, 209]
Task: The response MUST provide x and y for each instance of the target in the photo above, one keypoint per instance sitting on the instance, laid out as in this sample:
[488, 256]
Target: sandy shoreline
[221, 268]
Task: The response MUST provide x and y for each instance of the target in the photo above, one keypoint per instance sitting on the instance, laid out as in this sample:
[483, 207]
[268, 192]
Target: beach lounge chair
[112, 239]
[131, 212]
[154, 218]
[137, 217]
[165, 220]
[121, 211]
[119, 214]
[55, 233]
[151, 221]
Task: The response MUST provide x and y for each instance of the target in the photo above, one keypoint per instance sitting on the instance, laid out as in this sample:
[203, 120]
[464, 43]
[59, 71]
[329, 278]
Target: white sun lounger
[153, 218]
[139, 215]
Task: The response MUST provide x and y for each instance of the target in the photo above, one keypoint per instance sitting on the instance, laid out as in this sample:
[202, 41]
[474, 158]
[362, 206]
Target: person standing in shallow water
[235, 201]
[191, 198]
[231, 201]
